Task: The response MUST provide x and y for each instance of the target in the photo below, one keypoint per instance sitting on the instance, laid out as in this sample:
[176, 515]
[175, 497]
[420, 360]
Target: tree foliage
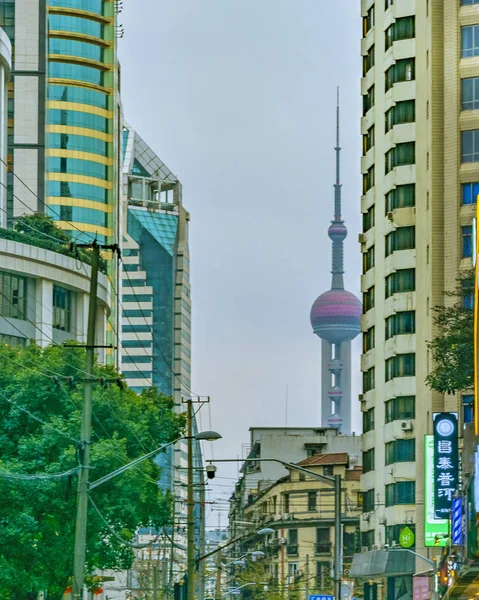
[37, 516]
[452, 349]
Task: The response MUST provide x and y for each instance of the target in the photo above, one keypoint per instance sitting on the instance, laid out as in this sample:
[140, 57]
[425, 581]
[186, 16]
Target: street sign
[321, 597]
[433, 527]
[406, 538]
[446, 462]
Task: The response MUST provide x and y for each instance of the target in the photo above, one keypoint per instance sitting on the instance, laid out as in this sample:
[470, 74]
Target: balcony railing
[323, 548]
[292, 549]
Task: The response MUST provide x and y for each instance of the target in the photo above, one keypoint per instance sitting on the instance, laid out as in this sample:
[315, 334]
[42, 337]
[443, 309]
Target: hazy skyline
[237, 97]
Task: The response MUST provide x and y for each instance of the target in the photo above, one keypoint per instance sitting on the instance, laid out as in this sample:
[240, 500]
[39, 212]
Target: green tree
[38, 225]
[37, 516]
[452, 349]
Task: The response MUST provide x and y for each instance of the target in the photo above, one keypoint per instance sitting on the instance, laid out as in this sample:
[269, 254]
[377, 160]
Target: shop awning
[383, 563]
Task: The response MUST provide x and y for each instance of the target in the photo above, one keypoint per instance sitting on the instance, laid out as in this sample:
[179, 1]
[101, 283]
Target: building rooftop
[335, 458]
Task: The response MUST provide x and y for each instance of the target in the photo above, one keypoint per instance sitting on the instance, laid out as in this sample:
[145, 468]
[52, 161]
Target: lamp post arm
[424, 558]
[133, 463]
[220, 548]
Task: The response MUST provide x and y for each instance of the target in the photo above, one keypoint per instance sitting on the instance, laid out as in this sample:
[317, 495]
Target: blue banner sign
[446, 462]
[457, 521]
[321, 597]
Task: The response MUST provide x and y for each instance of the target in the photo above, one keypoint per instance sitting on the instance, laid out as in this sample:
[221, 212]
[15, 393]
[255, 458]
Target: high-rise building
[335, 319]
[420, 181]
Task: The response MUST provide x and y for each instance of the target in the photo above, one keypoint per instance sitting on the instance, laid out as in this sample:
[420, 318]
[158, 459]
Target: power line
[37, 476]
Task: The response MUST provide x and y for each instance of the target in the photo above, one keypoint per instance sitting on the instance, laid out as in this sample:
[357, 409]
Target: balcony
[323, 548]
[292, 549]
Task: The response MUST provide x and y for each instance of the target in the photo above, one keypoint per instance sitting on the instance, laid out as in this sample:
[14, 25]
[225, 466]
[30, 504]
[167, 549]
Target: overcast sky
[237, 97]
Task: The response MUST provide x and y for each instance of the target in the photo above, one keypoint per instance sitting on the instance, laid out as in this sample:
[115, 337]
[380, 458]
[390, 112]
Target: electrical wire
[37, 476]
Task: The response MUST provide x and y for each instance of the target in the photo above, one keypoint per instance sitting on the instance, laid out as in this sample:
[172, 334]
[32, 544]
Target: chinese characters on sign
[445, 462]
[421, 588]
[435, 530]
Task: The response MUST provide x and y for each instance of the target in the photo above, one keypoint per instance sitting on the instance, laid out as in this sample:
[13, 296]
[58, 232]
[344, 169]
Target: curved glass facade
[79, 214]
[83, 191]
[75, 25]
[74, 48]
[95, 6]
[71, 93]
[76, 118]
[79, 143]
[76, 166]
[62, 70]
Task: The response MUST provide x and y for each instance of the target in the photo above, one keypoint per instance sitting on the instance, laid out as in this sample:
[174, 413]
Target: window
[368, 100]
[312, 501]
[323, 540]
[368, 460]
[368, 140]
[328, 470]
[368, 501]
[401, 196]
[368, 299]
[368, 60]
[403, 28]
[13, 340]
[466, 233]
[467, 295]
[323, 574]
[400, 451]
[368, 180]
[369, 339]
[469, 41]
[388, 4]
[368, 21]
[402, 70]
[368, 420]
[470, 146]
[401, 365]
[62, 308]
[368, 219]
[293, 569]
[401, 492]
[368, 380]
[286, 503]
[403, 280]
[401, 323]
[401, 154]
[467, 408]
[469, 193]
[401, 407]
[13, 296]
[292, 537]
[470, 93]
[368, 259]
[402, 238]
[401, 112]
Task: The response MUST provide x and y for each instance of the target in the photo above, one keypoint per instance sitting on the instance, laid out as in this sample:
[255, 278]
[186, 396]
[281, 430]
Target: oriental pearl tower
[335, 319]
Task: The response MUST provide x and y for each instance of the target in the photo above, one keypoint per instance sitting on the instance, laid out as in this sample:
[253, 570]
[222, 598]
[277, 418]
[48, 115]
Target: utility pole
[85, 436]
[218, 576]
[82, 501]
[190, 507]
[155, 582]
[306, 573]
[201, 567]
[338, 542]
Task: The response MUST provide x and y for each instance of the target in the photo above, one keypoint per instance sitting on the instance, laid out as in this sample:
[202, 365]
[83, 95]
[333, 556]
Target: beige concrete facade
[419, 62]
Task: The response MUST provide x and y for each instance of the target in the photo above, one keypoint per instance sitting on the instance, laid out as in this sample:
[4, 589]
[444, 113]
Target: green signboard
[435, 530]
[406, 538]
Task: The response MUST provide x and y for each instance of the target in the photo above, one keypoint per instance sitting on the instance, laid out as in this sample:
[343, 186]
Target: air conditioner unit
[285, 517]
[364, 549]
[362, 238]
[390, 215]
[406, 425]
[283, 541]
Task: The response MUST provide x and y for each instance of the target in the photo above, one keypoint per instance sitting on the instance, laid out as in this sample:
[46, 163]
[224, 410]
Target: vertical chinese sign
[435, 530]
[446, 462]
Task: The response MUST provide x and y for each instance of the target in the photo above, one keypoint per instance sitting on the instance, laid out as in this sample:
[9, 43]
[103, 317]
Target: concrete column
[81, 320]
[326, 379]
[345, 352]
[44, 312]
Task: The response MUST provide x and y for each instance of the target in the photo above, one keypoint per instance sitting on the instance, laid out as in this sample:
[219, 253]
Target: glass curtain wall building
[156, 303]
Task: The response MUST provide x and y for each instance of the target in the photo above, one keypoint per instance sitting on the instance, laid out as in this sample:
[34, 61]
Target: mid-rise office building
[420, 172]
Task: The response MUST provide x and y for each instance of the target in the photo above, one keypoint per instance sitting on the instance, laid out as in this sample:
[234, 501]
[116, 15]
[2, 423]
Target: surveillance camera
[386, 546]
[211, 471]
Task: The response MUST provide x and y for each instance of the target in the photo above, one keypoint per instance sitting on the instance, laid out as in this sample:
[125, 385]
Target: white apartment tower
[420, 168]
